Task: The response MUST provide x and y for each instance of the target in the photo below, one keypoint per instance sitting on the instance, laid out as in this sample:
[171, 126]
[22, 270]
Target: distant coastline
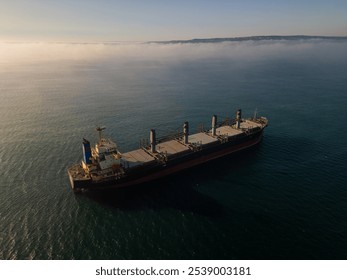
[252, 38]
[194, 41]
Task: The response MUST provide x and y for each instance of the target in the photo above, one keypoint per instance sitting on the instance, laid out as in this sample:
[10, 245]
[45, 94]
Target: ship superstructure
[105, 167]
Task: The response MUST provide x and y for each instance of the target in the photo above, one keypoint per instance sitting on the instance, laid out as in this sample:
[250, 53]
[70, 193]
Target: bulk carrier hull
[163, 158]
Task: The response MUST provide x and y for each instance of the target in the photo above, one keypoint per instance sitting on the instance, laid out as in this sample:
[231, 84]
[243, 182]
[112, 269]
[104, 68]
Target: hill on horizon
[250, 38]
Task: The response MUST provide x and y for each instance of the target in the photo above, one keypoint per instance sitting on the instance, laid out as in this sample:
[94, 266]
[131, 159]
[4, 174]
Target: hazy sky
[142, 20]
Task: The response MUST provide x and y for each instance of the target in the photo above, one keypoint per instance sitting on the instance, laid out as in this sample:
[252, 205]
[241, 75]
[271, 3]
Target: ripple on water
[284, 199]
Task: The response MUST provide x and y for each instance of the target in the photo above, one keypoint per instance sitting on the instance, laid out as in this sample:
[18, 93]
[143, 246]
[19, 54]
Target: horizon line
[192, 40]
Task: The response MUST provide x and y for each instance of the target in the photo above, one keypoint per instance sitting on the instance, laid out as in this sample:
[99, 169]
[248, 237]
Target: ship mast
[255, 113]
[100, 129]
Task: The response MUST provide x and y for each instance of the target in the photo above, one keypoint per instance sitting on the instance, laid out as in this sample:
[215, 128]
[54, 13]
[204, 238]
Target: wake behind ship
[105, 167]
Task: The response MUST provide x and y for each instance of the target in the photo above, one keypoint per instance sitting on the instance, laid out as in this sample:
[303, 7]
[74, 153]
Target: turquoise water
[286, 199]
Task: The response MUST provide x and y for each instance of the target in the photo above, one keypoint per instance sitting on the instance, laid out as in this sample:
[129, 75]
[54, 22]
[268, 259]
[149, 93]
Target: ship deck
[172, 147]
[175, 148]
[136, 158]
[202, 138]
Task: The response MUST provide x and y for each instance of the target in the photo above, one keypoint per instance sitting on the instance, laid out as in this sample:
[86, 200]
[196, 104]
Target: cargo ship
[104, 166]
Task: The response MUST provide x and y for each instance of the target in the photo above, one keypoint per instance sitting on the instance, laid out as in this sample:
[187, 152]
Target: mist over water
[283, 200]
[174, 52]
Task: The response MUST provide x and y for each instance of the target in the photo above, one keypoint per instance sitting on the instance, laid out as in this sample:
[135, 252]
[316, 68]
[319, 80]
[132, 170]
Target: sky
[147, 20]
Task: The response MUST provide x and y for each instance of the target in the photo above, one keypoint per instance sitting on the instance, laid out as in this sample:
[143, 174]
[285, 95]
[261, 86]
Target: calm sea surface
[286, 199]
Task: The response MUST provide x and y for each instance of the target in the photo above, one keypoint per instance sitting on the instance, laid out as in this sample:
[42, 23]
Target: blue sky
[135, 20]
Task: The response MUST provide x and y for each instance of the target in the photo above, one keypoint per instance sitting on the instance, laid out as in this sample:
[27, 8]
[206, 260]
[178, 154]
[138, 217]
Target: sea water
[285, 199]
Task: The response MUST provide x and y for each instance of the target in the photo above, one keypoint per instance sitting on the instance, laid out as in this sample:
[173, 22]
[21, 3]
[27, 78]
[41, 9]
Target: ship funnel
[152, 139]
[87, 153]
[238, 118]
[214, 125]
[185, 132]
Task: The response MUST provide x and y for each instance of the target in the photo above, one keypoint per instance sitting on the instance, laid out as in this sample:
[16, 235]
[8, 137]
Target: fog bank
[123, 52]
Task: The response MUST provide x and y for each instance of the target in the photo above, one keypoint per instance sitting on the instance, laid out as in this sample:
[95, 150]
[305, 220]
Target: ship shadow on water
[178, 191]
[162, 194]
